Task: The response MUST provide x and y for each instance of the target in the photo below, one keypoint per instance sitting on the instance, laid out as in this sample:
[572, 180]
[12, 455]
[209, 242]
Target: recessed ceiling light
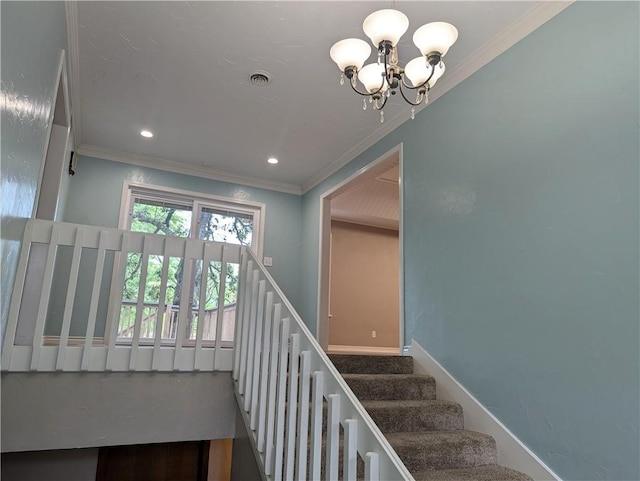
[272, 160]
[146, 133]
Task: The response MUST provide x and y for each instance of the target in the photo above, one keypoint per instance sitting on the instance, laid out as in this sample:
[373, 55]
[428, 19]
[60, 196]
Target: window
[170, 212]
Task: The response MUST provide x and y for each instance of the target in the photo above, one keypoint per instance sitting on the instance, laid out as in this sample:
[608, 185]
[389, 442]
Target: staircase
[302, 414]
[427, 434]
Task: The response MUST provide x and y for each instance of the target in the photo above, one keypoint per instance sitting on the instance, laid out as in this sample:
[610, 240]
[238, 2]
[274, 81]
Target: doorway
[184, 461]
[360, 285]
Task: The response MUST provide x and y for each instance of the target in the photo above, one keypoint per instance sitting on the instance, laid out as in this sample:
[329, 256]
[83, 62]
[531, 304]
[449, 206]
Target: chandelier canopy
[386, 77]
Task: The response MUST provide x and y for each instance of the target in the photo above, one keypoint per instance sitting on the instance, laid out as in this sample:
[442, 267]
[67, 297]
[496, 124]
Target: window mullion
[195, 221]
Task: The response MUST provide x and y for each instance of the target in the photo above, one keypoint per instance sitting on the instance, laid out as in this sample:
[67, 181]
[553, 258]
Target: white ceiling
[372, 198]
[180, 69]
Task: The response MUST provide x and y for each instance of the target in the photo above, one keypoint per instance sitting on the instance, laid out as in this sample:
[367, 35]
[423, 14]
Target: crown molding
[184, 168]
[534, 18]
[349, 217]
[527, 23]
[71, 12]
[507, 38]
[369, 141]
[73, 65]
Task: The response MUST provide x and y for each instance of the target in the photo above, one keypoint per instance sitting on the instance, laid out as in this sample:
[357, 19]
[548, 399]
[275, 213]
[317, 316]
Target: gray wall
[521, 237]
[243, 462]
[73, 410]
[33, 36]
[62, 465]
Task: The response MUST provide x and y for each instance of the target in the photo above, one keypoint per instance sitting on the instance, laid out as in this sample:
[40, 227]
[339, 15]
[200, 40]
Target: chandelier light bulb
[417, 71]
[387, 24]
[435, 37]
[387, 77]
[372, 76]
[350, 52]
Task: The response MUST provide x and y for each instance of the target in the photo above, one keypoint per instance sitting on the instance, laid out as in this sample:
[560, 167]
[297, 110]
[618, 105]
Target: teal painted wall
[33, 35]
[96, 190]
[521, 237]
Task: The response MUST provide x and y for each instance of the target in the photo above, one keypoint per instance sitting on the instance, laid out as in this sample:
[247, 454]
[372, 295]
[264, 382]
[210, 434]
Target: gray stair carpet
[427, 434]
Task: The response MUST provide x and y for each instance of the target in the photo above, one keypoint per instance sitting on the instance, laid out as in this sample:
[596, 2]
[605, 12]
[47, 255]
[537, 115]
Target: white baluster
[209, 253]
[264, 372]
[252, 286]
[350, 451]
[333, 436]
[243, 279]
[222, 288]
[282, 399]
[93, 306]
[251, 347]
[316, 424]
[185, 302]
[68, 304]
[144, 265]
[16, 296]
[303, 416]
[257, 356]
[44, 298]
[273, 387]
[116, 296]
[294, 359]
[372, 467]
[162, 312]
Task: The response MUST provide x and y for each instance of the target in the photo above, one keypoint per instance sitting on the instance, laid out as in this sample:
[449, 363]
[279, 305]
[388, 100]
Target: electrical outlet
[374, 334]
[268, 261]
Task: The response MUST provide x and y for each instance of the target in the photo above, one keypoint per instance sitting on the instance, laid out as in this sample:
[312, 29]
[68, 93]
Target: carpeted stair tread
[350, 364]
[479, 473]
[427, 434]
[415, 415]
[422, 451]
[391, 386]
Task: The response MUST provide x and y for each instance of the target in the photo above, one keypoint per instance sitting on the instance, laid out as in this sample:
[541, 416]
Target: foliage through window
[183, 217]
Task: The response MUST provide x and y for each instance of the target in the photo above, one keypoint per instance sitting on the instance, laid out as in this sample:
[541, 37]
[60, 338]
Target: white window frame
[196, 200]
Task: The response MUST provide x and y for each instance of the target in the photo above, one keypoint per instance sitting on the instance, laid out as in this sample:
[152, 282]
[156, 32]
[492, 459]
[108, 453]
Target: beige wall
[364, 286]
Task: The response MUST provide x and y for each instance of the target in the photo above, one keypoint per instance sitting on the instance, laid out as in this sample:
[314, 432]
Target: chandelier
[385, 78]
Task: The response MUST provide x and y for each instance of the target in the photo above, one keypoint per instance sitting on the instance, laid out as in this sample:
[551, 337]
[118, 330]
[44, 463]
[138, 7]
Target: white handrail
[44, 280]
[281, 363]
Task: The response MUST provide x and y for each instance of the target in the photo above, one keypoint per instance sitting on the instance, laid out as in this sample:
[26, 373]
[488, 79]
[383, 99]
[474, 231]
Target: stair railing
[282, 380]
[282, 377]
[63, 278]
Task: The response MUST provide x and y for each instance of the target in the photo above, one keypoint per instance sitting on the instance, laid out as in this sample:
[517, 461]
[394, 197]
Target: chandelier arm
[415, 104]
[364, 94]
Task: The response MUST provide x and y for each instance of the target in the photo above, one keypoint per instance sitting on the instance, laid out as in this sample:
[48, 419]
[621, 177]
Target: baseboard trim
[512, 453]
[383, 351]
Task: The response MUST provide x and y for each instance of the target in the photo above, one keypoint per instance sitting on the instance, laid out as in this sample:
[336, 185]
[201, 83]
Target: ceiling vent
[260, 78]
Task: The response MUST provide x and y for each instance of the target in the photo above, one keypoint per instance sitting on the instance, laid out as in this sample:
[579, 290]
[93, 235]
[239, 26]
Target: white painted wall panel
[76, 410]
